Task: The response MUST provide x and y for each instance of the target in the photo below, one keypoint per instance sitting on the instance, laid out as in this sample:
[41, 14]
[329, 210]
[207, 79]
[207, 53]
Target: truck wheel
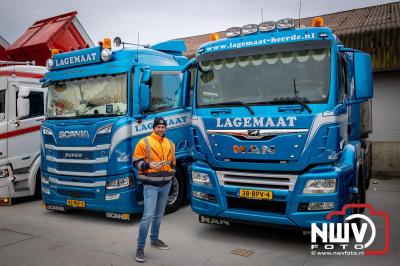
[369, 165]
[175, 196]
[361, 195]
[38, 185]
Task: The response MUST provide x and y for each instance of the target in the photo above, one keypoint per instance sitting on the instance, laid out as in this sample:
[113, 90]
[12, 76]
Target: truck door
[3, 118]
[167, 99]
[24, 130]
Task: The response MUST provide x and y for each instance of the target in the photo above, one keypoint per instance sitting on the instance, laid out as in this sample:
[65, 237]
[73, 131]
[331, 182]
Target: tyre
[361, 197]
[369, 165]
[38, 185]
[175, 196]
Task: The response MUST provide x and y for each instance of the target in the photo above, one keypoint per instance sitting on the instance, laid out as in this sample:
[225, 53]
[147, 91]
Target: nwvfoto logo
[337, 235]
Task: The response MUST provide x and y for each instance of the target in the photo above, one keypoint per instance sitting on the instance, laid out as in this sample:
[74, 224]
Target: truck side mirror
[144, 90]
[186, 88]
[146, 76]
[144, 97]
[23, 104]
[363, 76]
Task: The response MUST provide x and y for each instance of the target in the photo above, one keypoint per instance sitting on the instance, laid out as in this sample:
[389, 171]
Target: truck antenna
[299, 12]
[137, 48]
[262, 15]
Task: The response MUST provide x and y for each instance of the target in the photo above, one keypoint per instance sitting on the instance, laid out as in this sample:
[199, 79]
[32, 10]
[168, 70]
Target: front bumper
[92, 191]
[283, 210]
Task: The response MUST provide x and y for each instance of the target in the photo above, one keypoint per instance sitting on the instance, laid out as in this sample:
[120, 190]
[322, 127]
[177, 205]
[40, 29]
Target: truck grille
[77, 161]
[257, 180]
[76, 167]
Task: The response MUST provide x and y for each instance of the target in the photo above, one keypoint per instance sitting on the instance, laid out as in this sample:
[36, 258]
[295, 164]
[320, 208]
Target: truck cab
[21, 115]
[276, 125]
[100, 104]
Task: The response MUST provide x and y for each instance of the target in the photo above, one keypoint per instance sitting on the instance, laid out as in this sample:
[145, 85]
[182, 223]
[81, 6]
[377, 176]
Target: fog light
[112, 196]
[204, 196]
[317, 206]
[199, 195]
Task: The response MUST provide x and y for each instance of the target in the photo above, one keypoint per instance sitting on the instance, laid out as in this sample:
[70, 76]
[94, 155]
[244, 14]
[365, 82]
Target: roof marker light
[267, 26]
[286, 23]
[249, 29]
[233, 32]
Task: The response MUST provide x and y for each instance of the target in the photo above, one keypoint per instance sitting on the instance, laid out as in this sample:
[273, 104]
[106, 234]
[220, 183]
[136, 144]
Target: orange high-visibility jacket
[154, 148]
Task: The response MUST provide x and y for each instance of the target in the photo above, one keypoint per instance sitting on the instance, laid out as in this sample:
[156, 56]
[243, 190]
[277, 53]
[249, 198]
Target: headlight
[4, 173]
[249, 29]
[200, 178]
[105, 129]
[49, 64]
[286, 23]
[267, 26]
[119, 183]
[106, 54]
[47, 131]
[320, 186]
[45, 180]
[232, 32]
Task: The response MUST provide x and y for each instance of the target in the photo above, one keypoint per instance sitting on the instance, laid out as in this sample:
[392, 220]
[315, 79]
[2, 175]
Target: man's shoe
[140, 255]
[159, 244]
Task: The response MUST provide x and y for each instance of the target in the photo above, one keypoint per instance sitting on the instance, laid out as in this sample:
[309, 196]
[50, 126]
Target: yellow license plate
[256, 194]
[76, 203]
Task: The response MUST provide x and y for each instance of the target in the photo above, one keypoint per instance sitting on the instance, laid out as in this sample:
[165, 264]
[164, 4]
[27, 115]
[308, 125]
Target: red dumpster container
[60, 32]
[3, 46]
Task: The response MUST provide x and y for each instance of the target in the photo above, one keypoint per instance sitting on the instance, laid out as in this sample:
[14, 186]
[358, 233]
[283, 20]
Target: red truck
[63, 32]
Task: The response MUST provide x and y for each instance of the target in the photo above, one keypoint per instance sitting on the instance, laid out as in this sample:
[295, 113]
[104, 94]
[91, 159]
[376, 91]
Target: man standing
[154, 157]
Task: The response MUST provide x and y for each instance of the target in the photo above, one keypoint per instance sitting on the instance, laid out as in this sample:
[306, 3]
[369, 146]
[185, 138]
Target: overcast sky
[162, 20]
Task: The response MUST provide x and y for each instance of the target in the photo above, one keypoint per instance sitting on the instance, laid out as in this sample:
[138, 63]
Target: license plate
[255, 194]
[76, 203]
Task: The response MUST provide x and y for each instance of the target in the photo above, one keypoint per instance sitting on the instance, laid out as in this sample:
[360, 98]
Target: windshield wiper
[79, 116]
[245, 105]
[297, 99]
[94, 115]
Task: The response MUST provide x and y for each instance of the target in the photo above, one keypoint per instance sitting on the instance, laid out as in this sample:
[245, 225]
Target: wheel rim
[173, 192]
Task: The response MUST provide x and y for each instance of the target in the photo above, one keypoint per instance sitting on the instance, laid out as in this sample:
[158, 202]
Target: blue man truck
[277, 125]
[100, 103]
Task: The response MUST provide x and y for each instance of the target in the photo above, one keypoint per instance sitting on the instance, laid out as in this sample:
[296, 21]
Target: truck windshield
[88, 97]
[279, 78]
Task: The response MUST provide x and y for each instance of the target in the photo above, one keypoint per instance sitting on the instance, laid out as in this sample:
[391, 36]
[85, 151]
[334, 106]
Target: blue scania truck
[100, 103]
[278, 126]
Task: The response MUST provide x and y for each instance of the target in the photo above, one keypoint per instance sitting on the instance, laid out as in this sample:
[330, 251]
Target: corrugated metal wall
[383, 45]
